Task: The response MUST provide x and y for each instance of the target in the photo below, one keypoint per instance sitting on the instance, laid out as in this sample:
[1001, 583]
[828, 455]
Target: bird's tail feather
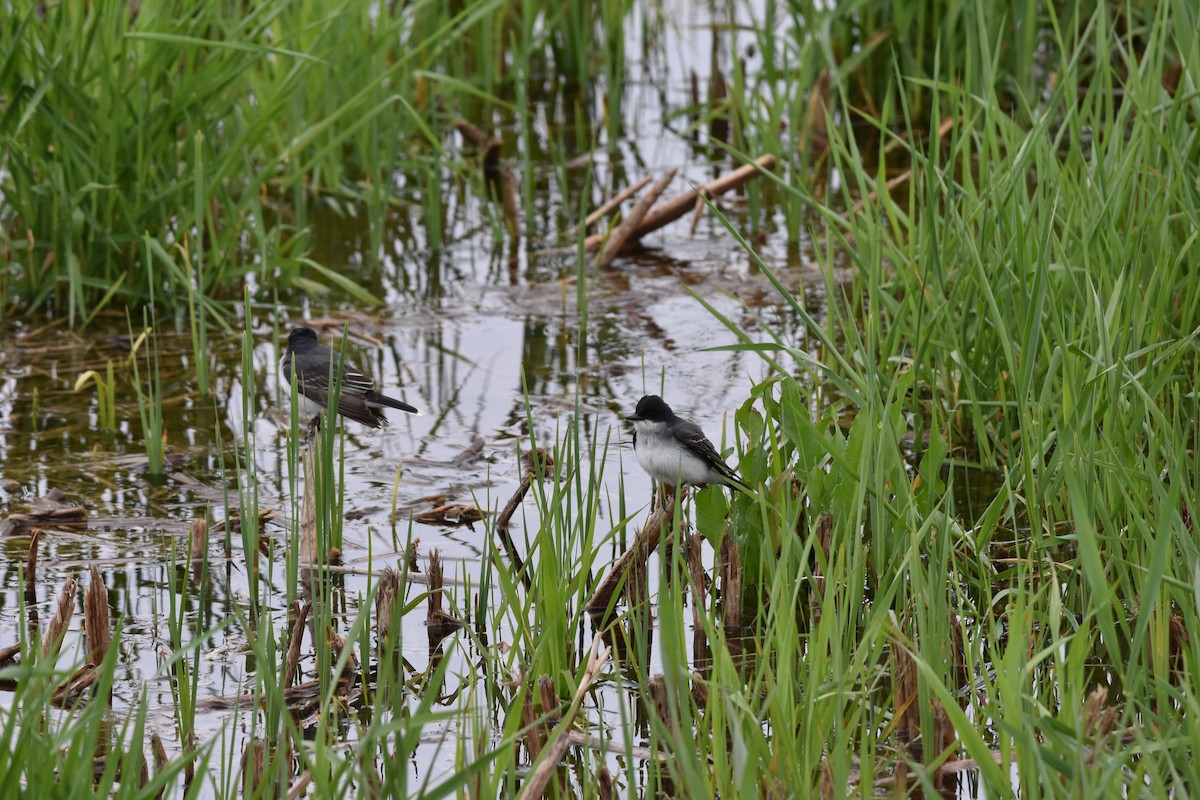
[383, 400]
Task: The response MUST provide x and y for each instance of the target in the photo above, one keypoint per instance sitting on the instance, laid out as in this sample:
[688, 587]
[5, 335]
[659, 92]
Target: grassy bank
[1015, 198]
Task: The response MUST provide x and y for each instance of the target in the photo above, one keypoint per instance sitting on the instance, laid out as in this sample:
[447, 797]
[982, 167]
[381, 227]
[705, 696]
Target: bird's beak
[633, 418]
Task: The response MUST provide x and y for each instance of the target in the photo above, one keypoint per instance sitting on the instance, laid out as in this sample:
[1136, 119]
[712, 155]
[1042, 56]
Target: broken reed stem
[731, 583]
[308, 509]
[293, 654]
[254, 759]
[300, 786]
[601, 603]
[9, 654]
[629, 226]
[534, 736]
[499, 182]
[659, 704]
[699, 581]
[198, 547]
[438, 622]
[605, 787]
[62, 616]
[560, 739]
[96, 620]
[161, 761]
[536, 732]
[337, 645]
[608, 205]
[31, 583]
[471, 132]
[504, 191]
[385, 606]
[674, 208]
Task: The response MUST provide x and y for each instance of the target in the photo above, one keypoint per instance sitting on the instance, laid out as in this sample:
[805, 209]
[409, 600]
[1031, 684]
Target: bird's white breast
[667, 460]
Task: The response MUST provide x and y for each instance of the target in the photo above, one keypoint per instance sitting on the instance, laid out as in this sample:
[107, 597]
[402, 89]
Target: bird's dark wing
[316, 382]
[690, 436]
[356, 408]
[351, 403]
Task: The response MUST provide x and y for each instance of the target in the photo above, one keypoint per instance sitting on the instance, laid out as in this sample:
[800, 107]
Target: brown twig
[471, 133]
[674, 208]
[601, 603]
[608, 205]
[293, 654]
[630, 225]
[9, 654]
[536, 464]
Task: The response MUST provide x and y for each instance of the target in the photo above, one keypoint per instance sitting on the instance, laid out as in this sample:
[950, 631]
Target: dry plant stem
[308, 509]
[731, 583]
[199, 546]
[160, 752]
[337, 644]
[679, 205]
[601, 602]
[534, 736]
[614, 745]
[298, 788]
[253, 762]
[534, 463]
[293, 654]
[471, 133]
[385, 607]
[69, 691]
[630, 225]
[500, 183]
[604, 783]
[31, 583]
[609, 205]
[674, 208]
[560, 739]
[659, 704]
[62, 616]
[510, 546]
[504, 190]
[96, 617]
[438, 622]
[548, 694]
[699, 582]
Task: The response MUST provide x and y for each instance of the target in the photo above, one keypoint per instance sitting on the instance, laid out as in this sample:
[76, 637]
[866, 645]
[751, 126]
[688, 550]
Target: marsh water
[487, 338]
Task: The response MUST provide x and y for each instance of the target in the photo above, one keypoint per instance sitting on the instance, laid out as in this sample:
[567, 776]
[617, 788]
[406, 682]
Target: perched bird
[676, 452]
[310, 360]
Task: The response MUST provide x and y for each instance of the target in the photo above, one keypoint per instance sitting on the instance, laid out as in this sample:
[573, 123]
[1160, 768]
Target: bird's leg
[666, 492]
[314, 427]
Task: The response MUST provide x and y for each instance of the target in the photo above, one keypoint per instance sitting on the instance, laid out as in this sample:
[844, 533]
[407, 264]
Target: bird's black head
[301, 337]
[651, 408]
